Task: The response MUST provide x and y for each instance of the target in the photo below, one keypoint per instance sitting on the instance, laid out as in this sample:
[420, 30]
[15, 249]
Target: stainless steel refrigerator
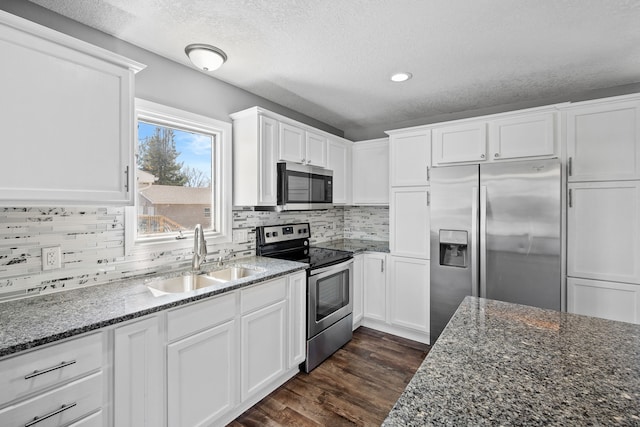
[495, 233]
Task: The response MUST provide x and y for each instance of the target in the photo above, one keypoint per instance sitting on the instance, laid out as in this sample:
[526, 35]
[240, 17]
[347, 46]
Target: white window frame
[163, 115]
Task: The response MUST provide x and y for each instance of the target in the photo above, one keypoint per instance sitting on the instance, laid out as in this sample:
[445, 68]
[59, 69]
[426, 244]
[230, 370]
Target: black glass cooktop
[316, 257]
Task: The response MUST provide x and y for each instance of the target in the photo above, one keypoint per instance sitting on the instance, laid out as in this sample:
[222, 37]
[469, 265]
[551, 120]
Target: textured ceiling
[331, 59]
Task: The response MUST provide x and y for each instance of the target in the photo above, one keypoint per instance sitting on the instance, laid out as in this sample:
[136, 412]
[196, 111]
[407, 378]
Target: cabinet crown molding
[48, 34]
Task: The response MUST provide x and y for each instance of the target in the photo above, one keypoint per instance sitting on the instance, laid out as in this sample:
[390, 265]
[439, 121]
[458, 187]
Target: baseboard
[396, 330]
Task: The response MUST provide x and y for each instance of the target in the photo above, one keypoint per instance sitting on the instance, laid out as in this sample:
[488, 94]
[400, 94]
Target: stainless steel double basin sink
[193, 281]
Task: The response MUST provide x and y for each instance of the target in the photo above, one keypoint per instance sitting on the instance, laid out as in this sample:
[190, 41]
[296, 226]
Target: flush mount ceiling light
[205, 57]
[401, 77]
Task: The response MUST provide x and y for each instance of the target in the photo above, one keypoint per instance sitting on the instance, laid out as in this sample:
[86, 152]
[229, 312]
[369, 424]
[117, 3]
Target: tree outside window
[174, 178]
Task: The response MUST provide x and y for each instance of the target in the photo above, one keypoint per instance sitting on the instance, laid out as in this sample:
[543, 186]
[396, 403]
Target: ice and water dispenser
[454, 248]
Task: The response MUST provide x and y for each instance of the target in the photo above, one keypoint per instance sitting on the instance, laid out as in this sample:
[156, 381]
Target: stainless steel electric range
[329, 287]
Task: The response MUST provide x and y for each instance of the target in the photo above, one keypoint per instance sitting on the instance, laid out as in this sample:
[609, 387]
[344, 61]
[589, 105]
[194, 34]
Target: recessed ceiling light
[401, 77]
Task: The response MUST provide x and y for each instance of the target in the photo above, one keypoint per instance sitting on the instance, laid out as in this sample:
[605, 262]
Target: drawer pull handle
[44, 371]
[49, 415]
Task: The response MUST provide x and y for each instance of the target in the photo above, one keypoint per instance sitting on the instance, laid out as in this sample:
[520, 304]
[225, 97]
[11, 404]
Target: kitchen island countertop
[355, 245]
[31, 322]
[498, 363]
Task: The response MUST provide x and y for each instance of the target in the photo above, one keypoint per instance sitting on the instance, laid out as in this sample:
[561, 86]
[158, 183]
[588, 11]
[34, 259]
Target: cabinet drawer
[263, 295]
[200, 316]
[33, 371]
[57, 407]
[93, 420]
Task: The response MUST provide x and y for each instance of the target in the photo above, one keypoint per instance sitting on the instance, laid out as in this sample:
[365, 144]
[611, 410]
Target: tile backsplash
[93, 249]
[366, 222]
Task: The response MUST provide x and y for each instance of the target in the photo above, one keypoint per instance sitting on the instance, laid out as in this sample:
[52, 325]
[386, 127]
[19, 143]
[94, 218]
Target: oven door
[329, 296]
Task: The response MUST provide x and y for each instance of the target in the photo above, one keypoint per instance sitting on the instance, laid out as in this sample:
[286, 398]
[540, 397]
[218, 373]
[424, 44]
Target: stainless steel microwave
[303, 187]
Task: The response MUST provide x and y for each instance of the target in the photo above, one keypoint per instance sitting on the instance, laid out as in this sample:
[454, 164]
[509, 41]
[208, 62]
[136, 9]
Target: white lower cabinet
[263, 349]
[298, 315]
[263, 332]
[396, 295]
[202, 367]
[59, 406]
[608, 300]
[93, 420]
[201, 364]
[55, 385]
[201, 376]
[138, 374]
[358, 290]
[409, 293]
[375, 286]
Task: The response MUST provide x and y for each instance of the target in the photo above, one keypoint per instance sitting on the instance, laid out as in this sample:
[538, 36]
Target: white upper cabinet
[603, 231]
[410, 158]
[261, 139]
[529, 135]
[315, 149]
[255, 148]
[67, 118]
[339, 161]
[510, 136]
[291, 144]
[603, 140]
[460, 143]
[268, 175]
[371, 172]
[299, 146]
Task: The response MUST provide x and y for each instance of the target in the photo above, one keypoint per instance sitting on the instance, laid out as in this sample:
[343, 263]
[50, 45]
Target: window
[183, 175]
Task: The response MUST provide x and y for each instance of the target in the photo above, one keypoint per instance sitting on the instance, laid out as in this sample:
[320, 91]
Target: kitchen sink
[193, 281]
[231, 273]
[180, 284]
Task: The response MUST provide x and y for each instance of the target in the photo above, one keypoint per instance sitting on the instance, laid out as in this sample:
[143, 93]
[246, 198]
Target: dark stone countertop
[31, 322]
[354, 245]
[512, 365]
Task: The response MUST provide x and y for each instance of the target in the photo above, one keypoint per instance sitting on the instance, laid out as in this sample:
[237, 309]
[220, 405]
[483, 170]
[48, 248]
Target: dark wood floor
[358, 385]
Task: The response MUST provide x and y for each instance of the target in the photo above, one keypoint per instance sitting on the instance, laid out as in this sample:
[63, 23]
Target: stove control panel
[281, 233]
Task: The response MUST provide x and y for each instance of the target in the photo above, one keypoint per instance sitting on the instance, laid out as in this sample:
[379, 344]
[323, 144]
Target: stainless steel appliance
[302, 187]
[495, 233]
[329, 287]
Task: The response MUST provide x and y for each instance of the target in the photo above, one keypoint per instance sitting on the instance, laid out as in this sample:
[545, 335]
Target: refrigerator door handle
[483, 241]
[473, 255]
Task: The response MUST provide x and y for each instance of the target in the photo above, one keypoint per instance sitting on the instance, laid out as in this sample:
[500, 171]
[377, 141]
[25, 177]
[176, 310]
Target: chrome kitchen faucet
[199, 248]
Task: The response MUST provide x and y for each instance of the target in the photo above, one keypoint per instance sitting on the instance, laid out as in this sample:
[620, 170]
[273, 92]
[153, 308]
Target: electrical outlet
[51, 258]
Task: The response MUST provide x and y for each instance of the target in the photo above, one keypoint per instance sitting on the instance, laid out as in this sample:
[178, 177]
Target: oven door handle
[340, 266]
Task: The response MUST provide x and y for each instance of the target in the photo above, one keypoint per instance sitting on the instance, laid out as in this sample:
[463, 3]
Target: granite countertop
[355, 245]
[506, 364]
[35, 321]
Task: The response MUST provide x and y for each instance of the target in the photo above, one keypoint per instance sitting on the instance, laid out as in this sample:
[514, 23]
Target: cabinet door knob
[496, 155]
[482, 156]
